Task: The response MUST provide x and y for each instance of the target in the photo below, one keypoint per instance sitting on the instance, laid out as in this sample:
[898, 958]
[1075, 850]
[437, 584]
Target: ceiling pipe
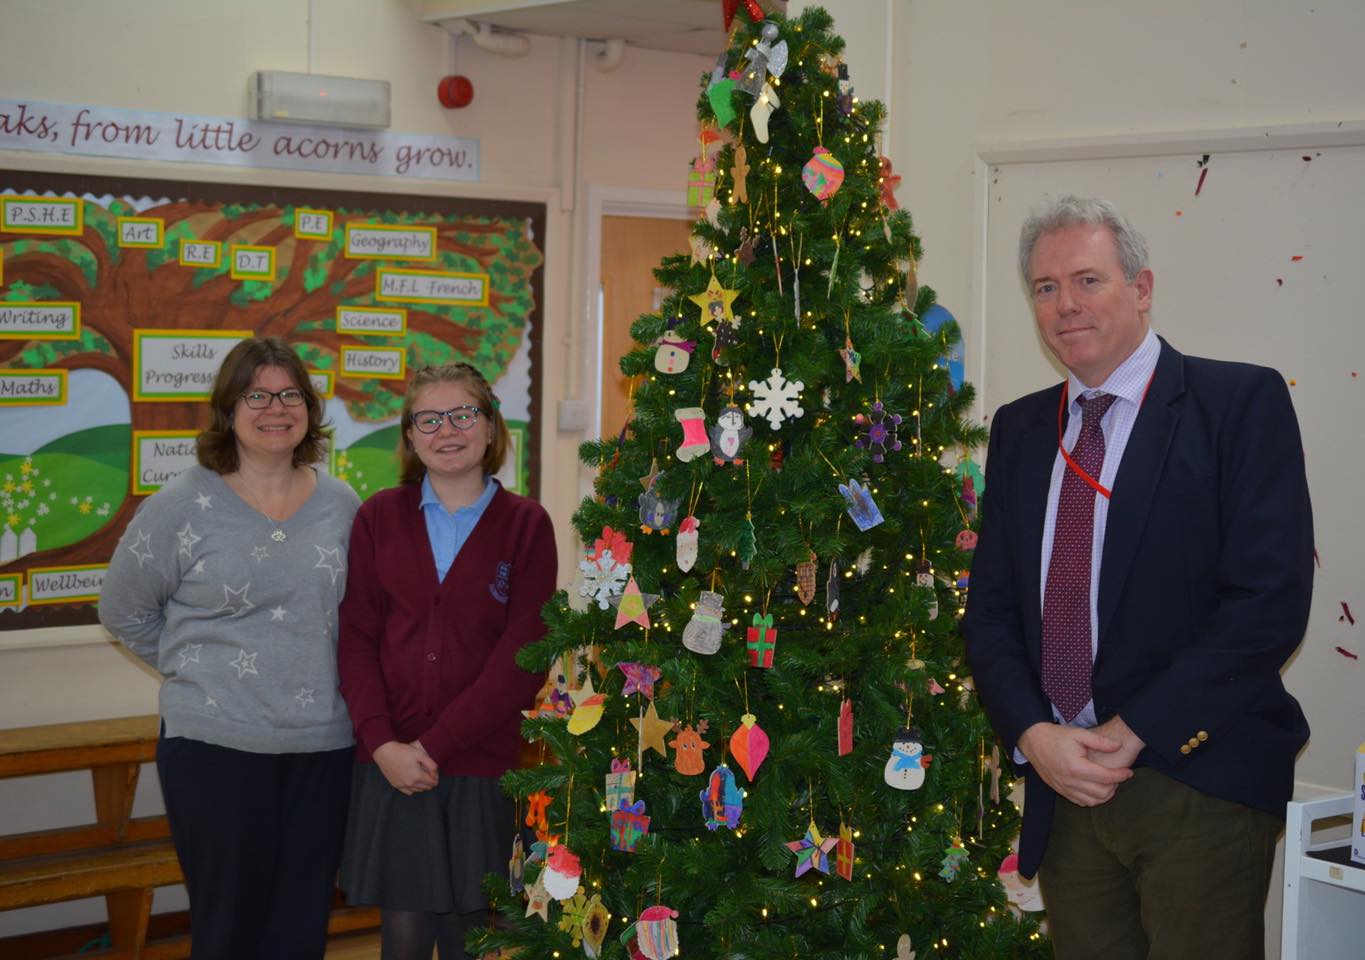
[609, 54]
[503, 44]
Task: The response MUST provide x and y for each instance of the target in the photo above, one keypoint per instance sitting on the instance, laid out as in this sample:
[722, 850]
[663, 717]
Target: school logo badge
[502, 582]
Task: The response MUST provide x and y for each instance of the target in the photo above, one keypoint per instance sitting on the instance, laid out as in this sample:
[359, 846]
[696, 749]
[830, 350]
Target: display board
[1255, 243]
[119, 298]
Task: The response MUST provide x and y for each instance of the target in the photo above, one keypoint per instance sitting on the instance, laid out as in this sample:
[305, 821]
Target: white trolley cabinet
[1324, 890]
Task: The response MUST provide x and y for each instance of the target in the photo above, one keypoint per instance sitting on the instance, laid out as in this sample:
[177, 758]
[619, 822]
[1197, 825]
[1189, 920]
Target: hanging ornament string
[834, 264]
[919, 418]
[796, 278]
[777, 253]
[568, 807]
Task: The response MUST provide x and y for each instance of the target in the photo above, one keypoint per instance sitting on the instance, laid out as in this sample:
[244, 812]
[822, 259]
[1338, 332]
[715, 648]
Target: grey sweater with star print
[242, 626]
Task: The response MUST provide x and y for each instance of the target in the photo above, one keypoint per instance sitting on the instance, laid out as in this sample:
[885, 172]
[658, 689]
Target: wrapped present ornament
[620, 786]
[701, 186]
[628, 824]
[761, 641]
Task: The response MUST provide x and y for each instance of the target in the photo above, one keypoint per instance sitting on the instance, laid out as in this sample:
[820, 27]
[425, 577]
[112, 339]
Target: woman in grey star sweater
[227, 581]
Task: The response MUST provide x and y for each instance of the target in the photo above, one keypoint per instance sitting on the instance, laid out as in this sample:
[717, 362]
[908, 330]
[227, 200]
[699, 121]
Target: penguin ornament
[905, 767]
[728, 435]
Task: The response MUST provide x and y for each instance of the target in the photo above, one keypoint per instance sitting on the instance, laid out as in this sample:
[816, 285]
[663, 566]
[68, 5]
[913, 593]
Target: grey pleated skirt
[429, 851]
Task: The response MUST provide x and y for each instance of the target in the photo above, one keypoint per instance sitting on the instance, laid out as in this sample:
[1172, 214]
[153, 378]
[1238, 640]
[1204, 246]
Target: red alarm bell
[455, 91]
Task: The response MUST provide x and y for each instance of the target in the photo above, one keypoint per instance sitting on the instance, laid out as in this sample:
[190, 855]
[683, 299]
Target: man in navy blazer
[1151, 812]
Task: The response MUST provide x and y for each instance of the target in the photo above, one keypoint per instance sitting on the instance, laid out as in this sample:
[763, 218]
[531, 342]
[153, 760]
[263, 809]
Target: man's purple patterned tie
[1067, 654]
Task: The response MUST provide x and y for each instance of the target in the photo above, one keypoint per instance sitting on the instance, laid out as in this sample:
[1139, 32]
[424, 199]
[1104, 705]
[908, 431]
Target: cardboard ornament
[689, 759]
[562, 873]
[620, 785]
[629, 823]
[805, 579]
[749, 745]
[905, 767]
[728, 436]
[595, 922]
[688, 534]
[845, 727]
[657, 932]
[703, 630]
[722, 802]
[843, 852]
[761, 641]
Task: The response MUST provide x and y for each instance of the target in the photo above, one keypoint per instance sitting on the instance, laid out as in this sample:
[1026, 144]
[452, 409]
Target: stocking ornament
[694, 443]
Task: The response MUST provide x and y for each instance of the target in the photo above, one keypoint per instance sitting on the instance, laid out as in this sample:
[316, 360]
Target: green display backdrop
[118, 298]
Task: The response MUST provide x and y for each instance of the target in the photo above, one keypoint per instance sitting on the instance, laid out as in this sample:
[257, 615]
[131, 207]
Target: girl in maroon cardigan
[448, 575]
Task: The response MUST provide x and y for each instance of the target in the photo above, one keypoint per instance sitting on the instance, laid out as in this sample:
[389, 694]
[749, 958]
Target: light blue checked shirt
[1128, 383]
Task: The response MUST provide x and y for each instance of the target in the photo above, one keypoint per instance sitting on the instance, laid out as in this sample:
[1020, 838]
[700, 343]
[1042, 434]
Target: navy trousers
[259, 839]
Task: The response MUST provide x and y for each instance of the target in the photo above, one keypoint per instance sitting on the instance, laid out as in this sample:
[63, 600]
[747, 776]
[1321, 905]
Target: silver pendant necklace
[278, 534]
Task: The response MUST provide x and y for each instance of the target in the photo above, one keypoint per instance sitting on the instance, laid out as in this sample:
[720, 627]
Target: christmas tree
[760, 741]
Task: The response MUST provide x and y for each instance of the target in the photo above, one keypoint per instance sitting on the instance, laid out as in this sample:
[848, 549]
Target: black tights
[410, 934]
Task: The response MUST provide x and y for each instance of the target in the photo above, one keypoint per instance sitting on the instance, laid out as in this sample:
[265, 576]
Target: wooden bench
[119, 857]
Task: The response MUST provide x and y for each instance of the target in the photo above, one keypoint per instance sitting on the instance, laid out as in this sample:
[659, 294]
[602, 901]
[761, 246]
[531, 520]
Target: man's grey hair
[1071, 211]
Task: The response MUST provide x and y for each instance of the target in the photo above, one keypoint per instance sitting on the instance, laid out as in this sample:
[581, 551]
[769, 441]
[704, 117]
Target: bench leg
[129, 912]
[114, 787]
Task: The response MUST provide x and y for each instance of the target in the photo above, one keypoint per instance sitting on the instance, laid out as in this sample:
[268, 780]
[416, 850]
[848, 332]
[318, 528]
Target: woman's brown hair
[217, 446]
[411, 467]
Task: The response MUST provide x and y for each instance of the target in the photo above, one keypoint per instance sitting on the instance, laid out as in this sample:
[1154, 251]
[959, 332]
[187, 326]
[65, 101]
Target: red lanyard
[1100, 488]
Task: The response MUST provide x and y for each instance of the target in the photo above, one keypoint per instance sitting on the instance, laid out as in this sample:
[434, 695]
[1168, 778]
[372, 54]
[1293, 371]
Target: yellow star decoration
[652, 730]
[715, 302]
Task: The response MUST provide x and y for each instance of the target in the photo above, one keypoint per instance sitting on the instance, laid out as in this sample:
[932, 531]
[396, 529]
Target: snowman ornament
[905, 767]
[673, 353]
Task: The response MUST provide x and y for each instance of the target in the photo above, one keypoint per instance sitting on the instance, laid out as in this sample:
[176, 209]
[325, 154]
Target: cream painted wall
[194, 56]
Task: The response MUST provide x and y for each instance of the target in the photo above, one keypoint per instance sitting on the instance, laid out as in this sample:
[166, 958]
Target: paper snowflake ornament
[879, 431]
[812, 851]
[776, 399]
[603, 578]
[722, 802]
[575, 912]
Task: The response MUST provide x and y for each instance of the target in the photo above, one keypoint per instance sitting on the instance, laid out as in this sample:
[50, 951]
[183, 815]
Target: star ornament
[715, 302]
[653, 729]
[640, 678]
[633, 606]
[812, 850]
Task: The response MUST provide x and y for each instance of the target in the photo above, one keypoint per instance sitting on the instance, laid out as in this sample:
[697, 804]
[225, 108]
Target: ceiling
[682, 26]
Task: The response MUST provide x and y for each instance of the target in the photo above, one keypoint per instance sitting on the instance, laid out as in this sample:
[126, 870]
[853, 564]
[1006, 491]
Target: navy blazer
[1205, 583]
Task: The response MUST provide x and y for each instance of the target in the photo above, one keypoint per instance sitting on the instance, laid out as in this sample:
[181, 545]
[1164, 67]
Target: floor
[357, 946]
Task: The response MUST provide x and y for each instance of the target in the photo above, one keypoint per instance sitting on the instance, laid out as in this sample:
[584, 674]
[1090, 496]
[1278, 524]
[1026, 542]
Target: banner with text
[184, 138]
